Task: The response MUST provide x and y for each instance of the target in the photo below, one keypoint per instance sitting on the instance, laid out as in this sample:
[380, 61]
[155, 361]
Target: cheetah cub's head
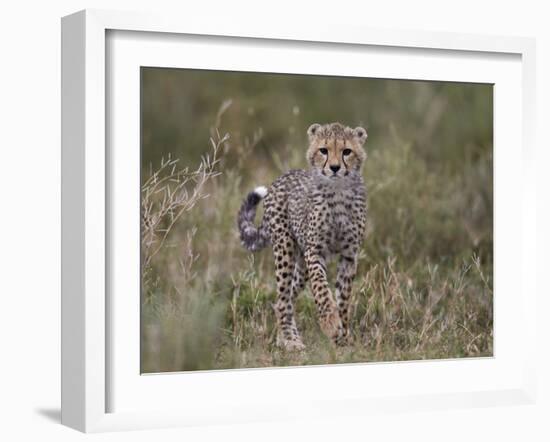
[336, 151]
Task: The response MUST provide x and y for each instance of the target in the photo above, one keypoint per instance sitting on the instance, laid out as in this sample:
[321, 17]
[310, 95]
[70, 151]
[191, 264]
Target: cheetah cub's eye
[323, 150]
[346, 152]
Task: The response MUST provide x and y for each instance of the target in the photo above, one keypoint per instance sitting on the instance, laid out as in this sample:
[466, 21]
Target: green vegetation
[424, 284]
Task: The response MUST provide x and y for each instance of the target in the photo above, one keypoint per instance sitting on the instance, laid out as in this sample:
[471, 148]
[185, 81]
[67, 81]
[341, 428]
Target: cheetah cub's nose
[335, 168]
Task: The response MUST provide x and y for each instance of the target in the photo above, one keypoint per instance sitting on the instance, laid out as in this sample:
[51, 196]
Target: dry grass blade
[169, 192]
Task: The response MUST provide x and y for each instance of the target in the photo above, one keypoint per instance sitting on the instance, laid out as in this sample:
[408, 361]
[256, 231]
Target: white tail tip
[261, 191]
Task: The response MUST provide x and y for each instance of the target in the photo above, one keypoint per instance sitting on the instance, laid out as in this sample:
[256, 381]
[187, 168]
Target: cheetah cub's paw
[345, 339]
[291, 345]
[331, 324]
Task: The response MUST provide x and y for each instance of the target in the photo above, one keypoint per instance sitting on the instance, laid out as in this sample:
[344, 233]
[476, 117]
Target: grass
[424, 284]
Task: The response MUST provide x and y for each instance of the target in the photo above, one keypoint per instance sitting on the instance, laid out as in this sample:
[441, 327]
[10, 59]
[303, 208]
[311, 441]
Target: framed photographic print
[251, 211]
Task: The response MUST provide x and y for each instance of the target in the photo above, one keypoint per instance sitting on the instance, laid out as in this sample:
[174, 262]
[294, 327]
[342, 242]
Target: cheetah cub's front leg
[286, 270]
[347, 267]
[329, 318]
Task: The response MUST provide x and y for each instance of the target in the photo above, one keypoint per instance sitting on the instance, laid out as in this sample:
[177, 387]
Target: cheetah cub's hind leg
[288, 336]
[299, 277]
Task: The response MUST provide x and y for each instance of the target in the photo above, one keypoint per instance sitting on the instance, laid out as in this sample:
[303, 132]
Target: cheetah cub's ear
[360, 134]
[313, 130]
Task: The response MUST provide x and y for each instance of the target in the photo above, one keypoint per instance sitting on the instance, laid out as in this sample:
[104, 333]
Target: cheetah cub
[311, 216]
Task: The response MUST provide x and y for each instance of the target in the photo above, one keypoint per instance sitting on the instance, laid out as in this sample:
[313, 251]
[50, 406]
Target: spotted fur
[311, 216]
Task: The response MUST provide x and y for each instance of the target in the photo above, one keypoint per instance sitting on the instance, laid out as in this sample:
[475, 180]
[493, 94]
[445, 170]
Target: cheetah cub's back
[311, 216]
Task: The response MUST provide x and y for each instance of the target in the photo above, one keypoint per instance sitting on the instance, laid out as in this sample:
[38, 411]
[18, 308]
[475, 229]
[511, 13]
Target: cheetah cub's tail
[252, 237]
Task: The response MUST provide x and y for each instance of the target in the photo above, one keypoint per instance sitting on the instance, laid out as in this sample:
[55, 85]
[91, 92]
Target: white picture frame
[87, 355]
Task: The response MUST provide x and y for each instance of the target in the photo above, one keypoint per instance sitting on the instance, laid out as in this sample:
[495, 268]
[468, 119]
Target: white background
[30, 216]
